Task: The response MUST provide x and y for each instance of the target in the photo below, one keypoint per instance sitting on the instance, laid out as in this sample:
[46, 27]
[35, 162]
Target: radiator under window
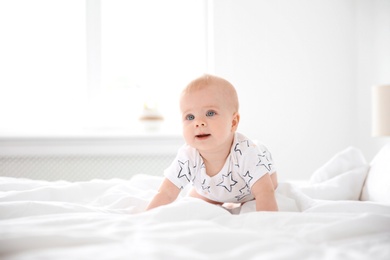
[86, 159]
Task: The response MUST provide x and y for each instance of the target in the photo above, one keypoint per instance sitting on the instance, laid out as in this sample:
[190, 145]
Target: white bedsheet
[105, 219]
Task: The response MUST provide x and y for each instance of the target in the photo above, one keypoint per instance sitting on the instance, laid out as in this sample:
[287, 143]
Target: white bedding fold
[104, 219]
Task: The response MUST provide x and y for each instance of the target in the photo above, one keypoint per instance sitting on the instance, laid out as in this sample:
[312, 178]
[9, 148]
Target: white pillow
[377, 185]
[346, 160]
[345, 186]
[341, 178]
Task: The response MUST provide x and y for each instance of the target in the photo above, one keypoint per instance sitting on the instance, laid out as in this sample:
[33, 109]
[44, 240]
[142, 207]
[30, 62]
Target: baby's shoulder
[244, 145]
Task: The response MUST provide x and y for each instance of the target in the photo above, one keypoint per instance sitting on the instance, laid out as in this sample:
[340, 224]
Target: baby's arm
[264, 192]
[167, 193]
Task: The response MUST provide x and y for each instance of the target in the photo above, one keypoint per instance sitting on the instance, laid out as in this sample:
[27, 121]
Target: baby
[222, 165]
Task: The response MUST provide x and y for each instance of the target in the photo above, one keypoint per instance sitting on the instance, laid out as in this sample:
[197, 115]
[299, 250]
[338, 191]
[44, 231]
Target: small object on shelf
[151, 118]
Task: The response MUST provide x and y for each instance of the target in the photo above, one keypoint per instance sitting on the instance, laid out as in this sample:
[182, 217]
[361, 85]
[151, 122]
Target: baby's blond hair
[226, 88]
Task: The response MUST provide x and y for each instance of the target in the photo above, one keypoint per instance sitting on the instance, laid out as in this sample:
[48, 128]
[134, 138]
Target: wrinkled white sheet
[105, 219]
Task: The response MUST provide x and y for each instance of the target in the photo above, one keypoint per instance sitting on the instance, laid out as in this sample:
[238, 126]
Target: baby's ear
[235, 121]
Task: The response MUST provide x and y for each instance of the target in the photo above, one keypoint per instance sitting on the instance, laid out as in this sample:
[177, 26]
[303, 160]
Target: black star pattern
[246, 141]
[237, 146]
[226, 182]
[205, 187]
[237, 149]
[247, 178]
[243, 194]
[264, 161]
[184, 170]
[245, 187]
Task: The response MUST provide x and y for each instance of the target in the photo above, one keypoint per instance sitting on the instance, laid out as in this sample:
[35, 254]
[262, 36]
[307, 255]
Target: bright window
[71, 65]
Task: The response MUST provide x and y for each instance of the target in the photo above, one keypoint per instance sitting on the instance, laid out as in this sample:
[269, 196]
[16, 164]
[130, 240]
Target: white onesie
[246, 163]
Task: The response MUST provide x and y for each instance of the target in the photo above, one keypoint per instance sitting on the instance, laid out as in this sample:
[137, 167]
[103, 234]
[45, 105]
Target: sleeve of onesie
[256, 162]
[179, 172]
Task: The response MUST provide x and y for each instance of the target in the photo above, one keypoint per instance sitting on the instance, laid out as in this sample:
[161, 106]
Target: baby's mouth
[202, 135]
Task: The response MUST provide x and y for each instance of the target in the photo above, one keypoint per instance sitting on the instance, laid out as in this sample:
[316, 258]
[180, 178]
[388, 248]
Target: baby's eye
[190, 117]
[210, 113]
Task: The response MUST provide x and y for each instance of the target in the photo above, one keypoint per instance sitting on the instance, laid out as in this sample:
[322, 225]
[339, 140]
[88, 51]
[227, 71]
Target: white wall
[304, 71]
[298, 71]
[373, 40]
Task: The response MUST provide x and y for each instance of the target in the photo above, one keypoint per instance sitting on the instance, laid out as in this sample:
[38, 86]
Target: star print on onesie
[244, 192]
[184, 170]
[246, 163]
[247, 177]
[264, 161]
[227, 182]
[205, 187]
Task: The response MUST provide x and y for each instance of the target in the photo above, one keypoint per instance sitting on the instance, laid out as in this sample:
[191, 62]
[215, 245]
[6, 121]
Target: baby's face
[209, 121]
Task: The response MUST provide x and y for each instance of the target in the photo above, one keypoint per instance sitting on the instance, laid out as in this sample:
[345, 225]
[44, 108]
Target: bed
[342, 212]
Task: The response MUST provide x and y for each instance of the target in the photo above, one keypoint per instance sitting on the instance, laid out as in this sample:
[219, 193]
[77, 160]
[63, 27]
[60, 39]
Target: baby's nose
[200, 123]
